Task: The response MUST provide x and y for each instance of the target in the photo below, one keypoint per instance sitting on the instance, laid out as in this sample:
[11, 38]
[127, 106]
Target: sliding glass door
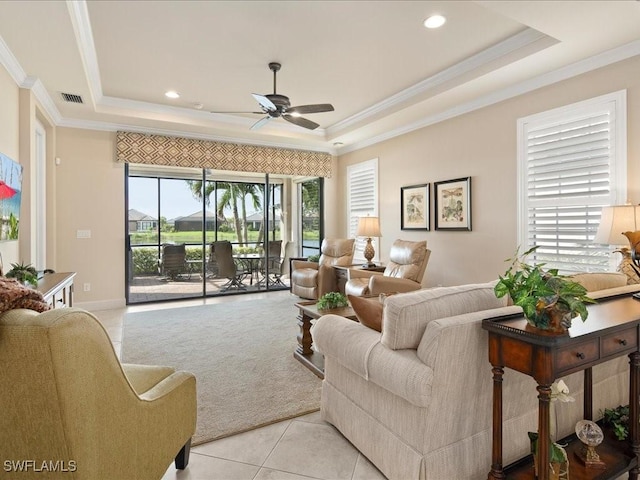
[193, 233]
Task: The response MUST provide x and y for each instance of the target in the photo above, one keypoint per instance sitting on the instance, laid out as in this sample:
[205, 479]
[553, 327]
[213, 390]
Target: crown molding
[79, 15]
[10, 62]
[45, 100]
[114, 127]
[517, 42]
[592, 63]
[154, 111]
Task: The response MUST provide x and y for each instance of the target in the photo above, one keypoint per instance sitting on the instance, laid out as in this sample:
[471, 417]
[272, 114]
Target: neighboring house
[193, 222]
[141, 222]
[254, 221]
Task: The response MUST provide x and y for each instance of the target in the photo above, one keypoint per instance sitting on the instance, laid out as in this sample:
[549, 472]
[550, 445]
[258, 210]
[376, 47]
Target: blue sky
[176, 198]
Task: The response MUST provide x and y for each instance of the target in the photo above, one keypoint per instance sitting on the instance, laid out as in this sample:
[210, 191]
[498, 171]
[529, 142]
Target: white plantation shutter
[362, 200]
[572, 162]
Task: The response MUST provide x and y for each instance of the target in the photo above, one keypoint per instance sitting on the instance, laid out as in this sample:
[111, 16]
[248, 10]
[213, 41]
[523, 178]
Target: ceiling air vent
[72, 98]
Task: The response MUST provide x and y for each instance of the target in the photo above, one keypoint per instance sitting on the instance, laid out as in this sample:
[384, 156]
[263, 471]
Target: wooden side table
[611, 330]
[342, 273]
[304, 353]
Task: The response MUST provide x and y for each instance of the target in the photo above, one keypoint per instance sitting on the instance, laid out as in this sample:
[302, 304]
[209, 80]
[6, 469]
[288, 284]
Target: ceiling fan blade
[301, 122]
[260, 123]
[258, 113]
[317, 108]
[264, 102]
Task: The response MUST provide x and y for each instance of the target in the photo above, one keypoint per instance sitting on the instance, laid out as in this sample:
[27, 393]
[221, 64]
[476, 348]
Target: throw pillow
[368, 311]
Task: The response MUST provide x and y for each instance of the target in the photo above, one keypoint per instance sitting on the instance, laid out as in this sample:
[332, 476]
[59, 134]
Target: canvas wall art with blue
[10, 197]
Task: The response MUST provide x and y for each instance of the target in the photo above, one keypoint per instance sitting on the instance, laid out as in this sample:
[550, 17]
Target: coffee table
[304, 353]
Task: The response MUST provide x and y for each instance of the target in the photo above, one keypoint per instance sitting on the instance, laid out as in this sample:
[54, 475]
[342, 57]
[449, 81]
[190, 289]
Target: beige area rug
[241, 353]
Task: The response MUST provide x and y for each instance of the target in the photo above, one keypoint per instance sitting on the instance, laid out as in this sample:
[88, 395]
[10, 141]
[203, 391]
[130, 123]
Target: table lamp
[615, 222]
[369, 227]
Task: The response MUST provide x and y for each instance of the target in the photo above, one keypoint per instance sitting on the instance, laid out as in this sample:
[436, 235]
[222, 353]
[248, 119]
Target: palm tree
[234, 197]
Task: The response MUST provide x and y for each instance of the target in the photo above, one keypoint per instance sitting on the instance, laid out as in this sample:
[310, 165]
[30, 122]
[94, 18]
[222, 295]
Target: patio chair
[227, 267]
[173, 262]
[271, 268]
[212, 264]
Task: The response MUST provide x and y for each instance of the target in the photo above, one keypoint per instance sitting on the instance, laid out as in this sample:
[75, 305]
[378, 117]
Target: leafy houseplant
[549, 300]
[618, 418]
[24, 273]
[332, 300]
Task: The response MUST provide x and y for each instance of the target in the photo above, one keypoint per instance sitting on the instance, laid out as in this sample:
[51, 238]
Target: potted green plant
[549, 300]
[332, 300]
[24, 273]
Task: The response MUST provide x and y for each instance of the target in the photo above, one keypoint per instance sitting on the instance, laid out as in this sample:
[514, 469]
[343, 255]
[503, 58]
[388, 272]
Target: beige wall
[90, 196]
[88, 185]
[482, 144]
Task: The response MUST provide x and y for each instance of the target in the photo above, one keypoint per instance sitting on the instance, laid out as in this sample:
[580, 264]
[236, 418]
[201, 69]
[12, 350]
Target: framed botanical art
[414, 213]
[453, 204]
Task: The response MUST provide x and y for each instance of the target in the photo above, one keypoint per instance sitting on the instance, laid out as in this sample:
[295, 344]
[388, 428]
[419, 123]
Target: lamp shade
[369, 227]
[614, 221]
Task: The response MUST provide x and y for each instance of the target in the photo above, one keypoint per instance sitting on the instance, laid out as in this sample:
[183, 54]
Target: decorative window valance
[189, 152]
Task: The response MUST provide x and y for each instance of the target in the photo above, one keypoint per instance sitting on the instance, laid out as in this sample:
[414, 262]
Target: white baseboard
[101, 305]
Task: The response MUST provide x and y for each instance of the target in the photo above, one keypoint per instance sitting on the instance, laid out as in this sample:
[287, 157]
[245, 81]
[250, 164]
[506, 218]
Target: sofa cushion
[600, 281]
[406, 315]
[368, 311]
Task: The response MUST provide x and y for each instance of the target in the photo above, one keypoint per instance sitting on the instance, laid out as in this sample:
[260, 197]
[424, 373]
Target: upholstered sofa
[70, 407]
[416, 399]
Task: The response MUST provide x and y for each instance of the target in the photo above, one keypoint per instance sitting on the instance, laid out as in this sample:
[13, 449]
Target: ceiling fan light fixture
[172, 94]
[435, 21]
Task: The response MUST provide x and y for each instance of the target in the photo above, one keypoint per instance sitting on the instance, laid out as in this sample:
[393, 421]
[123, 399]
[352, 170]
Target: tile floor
[297, 449]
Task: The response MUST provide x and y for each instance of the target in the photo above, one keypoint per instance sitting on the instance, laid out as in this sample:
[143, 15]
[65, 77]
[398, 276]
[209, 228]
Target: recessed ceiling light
[435, 21]
[338, 144]
[172, 94]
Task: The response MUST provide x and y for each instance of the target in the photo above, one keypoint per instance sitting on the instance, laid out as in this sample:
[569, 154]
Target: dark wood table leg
[634, 392]
[304, 336]
[544, 403]
[496, 450]
[587, 406]
[304, 352]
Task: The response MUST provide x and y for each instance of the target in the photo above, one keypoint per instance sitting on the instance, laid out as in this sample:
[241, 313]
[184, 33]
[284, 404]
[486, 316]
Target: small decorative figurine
[591, 435]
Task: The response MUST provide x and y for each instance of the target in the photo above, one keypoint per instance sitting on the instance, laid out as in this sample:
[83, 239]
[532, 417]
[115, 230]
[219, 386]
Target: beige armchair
[404, 272]
[312, 280]
[66, 400]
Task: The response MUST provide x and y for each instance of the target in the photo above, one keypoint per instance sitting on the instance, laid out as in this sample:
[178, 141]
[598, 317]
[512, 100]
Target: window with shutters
[362, 200]
[571, 163]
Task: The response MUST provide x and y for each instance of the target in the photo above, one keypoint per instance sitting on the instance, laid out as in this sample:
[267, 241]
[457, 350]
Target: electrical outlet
[87, 287]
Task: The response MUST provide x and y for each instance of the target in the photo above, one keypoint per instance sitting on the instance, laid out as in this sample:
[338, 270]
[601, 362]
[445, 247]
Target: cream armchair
[404, 272]
[312, 280]
[66, 400]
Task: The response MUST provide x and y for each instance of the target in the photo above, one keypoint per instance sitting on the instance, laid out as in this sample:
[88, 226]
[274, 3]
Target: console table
[611, 330]
[57, 289]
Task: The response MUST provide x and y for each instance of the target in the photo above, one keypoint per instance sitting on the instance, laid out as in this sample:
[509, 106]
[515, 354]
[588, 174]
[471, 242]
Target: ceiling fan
[275, 105]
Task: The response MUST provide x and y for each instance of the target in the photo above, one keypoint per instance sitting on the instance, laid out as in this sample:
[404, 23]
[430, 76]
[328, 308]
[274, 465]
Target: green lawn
[196, 237]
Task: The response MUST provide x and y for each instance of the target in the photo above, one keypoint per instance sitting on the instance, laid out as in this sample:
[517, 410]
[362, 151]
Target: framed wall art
[453, 204]
[414, 213]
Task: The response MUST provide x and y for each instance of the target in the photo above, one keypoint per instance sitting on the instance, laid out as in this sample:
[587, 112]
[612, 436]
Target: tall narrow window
[572, 162]
[362, 199]
[310, 194]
